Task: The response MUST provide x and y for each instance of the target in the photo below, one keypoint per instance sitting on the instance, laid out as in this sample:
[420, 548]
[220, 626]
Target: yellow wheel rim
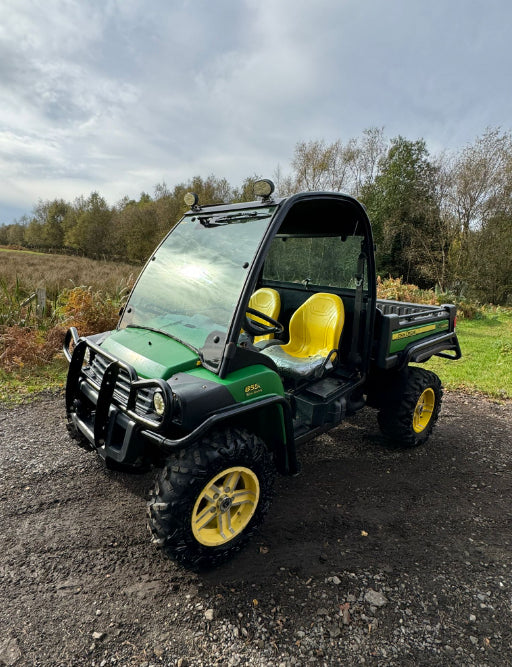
[423, 410]
[225, 506]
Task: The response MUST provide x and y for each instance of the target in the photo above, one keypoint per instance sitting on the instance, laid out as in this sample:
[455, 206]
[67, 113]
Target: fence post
[41, 301]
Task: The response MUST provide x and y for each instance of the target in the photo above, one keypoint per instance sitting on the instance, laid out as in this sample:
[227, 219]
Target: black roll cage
[346, 203]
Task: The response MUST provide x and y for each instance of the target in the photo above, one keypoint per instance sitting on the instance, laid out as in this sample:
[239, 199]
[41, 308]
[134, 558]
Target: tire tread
[183, 477]
[395, 419]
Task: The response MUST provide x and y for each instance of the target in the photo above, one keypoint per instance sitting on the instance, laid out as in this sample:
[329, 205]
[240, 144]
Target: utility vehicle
[252, 328]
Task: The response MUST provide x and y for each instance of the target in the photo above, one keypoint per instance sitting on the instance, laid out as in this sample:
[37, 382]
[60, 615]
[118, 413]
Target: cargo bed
[412, 332]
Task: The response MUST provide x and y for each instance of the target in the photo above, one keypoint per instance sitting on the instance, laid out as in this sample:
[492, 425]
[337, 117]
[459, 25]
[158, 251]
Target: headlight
[158, 403]
[87, 358]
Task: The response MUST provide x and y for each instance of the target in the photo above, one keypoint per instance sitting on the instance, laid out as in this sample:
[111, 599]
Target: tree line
[441, 220]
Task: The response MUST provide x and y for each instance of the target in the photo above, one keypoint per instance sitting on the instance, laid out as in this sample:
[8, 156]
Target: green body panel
[401, 338]
[247, 383]
[254, 382]
[250, 384]
[153, 355]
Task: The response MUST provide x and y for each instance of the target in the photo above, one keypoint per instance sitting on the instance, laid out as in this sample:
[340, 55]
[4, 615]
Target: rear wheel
[210, 498]
[408, 418]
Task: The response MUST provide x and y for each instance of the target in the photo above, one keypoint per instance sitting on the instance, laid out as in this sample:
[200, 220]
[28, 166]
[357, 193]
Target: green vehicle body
[203, 364]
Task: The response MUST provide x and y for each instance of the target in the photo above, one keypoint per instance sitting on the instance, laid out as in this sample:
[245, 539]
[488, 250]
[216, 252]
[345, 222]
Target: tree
[489, 266]
[479, 201]
[285, 185]
[34, 234]
[45, 229]
[14, 234]
[338, 167]
[320, 166]
[405, 214]
[136, 230]
[88, 226]
[171, 205]
[364, 157]
[211, 190]
[481, 179]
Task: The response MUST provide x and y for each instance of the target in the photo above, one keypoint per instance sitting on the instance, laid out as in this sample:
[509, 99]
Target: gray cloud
[116, 96]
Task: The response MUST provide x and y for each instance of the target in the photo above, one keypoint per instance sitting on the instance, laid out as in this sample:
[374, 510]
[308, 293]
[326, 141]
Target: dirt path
[371, 556]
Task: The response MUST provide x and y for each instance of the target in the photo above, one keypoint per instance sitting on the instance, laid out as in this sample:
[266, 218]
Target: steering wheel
[255, 328]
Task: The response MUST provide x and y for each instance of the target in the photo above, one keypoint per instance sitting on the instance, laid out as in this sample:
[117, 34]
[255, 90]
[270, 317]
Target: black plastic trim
[422, 351]
[171, 446]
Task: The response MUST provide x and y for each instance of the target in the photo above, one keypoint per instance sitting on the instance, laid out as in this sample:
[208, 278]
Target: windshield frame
[211, 354]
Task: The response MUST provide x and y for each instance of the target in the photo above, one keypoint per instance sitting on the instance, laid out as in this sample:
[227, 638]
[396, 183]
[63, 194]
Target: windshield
[191, 285]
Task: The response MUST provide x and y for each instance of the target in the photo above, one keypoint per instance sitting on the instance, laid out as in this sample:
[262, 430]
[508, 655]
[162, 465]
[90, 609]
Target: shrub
[35, 345]
[28, 339]
[28, 346]
[90, 312]
[395, 289]
[469, 310]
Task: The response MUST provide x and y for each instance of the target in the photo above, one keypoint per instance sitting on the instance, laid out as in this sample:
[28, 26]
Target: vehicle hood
[152, 355]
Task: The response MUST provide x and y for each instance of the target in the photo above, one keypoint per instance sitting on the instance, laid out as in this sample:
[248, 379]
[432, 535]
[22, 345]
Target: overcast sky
[119, 95]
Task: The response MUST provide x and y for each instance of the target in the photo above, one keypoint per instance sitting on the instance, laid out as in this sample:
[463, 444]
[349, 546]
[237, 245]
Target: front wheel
[408, 418]
[209, 498]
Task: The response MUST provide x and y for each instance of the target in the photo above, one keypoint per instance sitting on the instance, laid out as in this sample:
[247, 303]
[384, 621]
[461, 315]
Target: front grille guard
[122, 393]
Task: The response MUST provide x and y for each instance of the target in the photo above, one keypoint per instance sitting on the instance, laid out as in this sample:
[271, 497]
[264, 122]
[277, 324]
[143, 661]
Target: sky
[117, 96]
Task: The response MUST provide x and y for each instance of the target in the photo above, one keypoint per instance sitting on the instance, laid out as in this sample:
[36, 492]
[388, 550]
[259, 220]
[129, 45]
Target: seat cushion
[315, 330]
[294, 367]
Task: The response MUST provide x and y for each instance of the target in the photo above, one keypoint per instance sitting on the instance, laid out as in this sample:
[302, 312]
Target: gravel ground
[371, 556]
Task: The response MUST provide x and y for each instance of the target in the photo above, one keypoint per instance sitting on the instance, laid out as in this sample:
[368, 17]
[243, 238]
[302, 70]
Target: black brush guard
[120, 399]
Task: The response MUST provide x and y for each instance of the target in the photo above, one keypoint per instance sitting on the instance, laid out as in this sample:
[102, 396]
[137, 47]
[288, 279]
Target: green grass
[26, 383]
[486, 364]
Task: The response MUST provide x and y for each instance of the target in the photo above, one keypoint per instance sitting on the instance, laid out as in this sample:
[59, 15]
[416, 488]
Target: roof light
[191, 200]
[263, 188]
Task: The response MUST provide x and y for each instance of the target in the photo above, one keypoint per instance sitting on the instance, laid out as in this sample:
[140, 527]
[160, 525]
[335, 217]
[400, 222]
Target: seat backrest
[267, 301]
[316, 326]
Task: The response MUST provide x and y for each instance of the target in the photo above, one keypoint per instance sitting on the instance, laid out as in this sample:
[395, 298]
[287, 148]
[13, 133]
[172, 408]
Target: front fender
[269, 417]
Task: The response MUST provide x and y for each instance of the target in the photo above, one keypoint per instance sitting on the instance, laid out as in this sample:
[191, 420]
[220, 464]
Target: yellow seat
[267, 301]
[315, 330]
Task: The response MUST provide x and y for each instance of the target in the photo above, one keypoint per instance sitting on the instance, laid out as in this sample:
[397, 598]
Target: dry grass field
[80, 292]
[24, 271]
